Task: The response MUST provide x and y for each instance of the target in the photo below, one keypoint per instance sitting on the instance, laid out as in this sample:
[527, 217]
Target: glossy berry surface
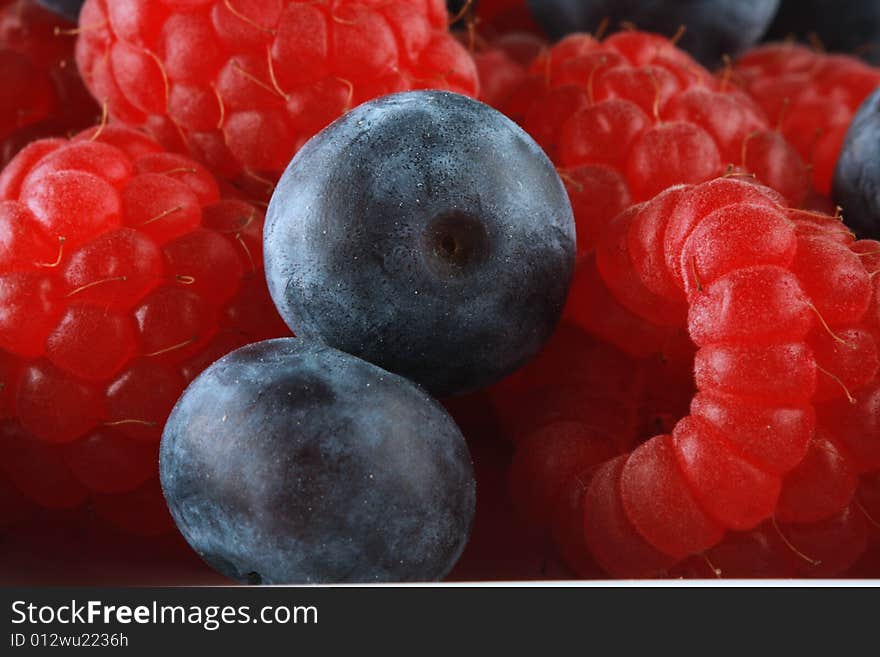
[714, 28]
[242, 84]
[41, 93]
[426, 233]
[343, 472]
[857, 175]
[123, 273]
[810, 96]
[627, 117]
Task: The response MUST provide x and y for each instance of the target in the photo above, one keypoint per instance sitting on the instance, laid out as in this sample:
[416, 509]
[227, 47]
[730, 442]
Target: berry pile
[629, 116]
[708, 405]
[123, 274]
[782, 307]
[242, 84]
[41, 92]
[809, 96]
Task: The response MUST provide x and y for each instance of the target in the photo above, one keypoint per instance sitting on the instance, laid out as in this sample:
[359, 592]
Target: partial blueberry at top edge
[426, 233]
[856, 184]
[850, 27]
[289, 462]
[69, 9]
[713, 28]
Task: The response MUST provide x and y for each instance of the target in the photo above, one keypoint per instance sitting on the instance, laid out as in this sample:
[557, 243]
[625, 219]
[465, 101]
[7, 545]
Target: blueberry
[853, 26]
[291, 462]
[424, 232]
[714, 28]
[67, 8]
[856, 186]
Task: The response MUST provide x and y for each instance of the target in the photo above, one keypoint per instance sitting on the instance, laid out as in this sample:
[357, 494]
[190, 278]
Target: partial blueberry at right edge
[713, 28]
[424, 232]
[856, 185]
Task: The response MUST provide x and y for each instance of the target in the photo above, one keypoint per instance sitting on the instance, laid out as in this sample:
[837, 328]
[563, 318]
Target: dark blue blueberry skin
[856, 186]
[714, 28]
[426, 233]
[67, 8]
[851, 26]
[290, 462]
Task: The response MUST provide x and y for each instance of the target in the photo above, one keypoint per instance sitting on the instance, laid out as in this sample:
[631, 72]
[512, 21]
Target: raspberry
[810, 96]
[630, 116]
[561, 384]
[580, 402]
[502, 63]
[505, 16]
[108, 311]
[41, 93]
[242, 84]
[778, 303]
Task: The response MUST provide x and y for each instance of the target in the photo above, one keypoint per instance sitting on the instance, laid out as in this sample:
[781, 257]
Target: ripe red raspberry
[810, 96]
[579, 403]
[779, 304]
[41, 93]
[242, 84]
[503, 63]
[123, 273]
[629, 116]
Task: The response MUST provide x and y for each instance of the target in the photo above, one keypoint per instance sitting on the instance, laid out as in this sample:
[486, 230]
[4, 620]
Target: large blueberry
[713, 28]
[67, 8]
[291, 462]
[424, 232]
[852, 26]
[856, 186]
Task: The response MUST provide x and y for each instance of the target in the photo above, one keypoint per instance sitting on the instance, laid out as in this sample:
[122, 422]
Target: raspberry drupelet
[123, 274]
[810, 96]
[242, 84]
[627, 117]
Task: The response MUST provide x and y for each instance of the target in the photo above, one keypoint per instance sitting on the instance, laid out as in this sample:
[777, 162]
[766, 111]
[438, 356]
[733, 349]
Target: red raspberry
[779, 304]
[579, 403]
[810, 96]
[41, 93]
[123, 273]
[242, 84]
[502, 63]
[498, 17]
[627, 117]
